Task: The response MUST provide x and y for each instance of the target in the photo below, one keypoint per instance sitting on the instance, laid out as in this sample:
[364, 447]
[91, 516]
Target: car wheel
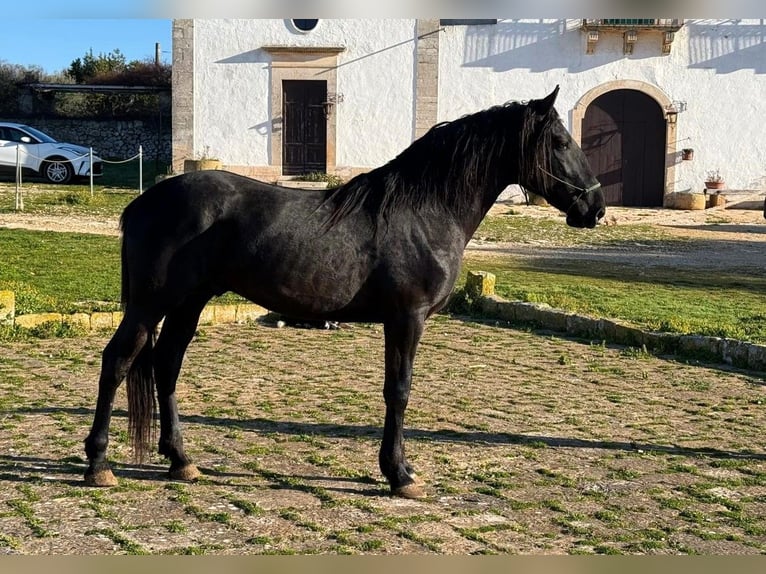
[57, 171]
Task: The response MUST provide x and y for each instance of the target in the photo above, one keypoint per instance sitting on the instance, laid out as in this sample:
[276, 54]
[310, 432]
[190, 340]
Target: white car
[40, 154]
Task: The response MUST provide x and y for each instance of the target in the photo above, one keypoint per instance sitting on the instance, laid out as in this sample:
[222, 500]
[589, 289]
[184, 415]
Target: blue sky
[53, 43]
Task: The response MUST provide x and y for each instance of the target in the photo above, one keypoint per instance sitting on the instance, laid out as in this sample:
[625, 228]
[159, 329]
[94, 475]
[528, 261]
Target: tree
[12, 77]
[112, 68]
[18, 100]
[84, 70]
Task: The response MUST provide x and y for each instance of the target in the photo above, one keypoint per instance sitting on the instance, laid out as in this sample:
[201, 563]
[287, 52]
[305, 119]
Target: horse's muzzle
[587, 210]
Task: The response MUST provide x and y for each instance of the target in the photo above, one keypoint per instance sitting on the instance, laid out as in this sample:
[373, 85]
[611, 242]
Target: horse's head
[554, 166]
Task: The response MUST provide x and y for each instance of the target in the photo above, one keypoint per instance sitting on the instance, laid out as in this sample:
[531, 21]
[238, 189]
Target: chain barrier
[19, 189]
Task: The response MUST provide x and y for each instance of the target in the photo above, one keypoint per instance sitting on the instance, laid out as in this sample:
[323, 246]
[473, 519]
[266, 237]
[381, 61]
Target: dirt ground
[715, 239]
[529, 443]
[724, 238]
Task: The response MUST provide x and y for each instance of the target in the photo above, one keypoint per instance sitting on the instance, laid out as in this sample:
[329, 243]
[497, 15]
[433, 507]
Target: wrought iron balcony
[630, 28]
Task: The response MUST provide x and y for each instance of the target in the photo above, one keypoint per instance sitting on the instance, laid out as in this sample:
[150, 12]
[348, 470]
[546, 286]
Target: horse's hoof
[186, 473]
[410, 491]
[416, 479]
[101, 477]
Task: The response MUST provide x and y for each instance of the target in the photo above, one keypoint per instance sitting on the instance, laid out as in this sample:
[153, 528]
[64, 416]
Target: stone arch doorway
[623, 130]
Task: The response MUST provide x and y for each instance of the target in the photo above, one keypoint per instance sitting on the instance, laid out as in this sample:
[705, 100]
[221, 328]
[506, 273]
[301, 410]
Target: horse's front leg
[402, 336]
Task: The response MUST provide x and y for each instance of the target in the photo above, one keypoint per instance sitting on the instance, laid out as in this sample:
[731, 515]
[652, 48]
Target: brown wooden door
[624, 140]
[304, 140]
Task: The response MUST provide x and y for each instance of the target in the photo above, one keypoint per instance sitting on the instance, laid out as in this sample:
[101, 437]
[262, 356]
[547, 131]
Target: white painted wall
[718, 67]
[375, 76]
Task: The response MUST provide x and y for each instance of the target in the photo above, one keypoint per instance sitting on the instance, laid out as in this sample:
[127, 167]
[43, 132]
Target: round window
[305, 25]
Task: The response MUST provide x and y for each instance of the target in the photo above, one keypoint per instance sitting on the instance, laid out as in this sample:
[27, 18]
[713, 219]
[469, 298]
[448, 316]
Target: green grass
[126, 175]
[62, 272]
[524, 229]
[721, 304]
[111, 192]
[63, 201]
[67, 272]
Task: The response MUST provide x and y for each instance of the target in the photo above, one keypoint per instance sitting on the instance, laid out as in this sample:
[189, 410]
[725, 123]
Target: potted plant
[687, 154]
[205, 161]
[714, 180]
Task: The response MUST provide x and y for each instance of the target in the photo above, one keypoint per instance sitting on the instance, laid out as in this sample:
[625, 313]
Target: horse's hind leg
[177, 332]
[122, 350]
[402, 337]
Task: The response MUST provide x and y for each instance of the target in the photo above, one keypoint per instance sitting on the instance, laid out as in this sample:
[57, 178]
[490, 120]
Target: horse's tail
[140, 378]
[141, 399]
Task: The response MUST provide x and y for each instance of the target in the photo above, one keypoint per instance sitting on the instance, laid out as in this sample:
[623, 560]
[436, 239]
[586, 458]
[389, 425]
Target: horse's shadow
[29, 469]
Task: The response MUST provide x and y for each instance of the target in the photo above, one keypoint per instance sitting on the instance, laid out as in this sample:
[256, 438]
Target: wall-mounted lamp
[673, 109]
[330, 102]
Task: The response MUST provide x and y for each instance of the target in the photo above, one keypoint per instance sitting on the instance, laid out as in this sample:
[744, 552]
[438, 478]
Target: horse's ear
[544, 106]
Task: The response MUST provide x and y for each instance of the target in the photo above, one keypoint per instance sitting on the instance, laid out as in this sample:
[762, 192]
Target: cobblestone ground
[529, 444]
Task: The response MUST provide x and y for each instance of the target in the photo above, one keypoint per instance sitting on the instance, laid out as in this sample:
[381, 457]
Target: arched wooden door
[624, 140]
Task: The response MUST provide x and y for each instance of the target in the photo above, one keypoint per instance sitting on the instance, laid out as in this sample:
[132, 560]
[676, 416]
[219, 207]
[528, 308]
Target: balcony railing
[673, 24]
[630, 28]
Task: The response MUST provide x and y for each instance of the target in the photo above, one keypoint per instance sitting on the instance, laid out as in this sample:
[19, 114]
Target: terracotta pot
[683, 200]
[201, 164]
[715, 184]
[716, 200]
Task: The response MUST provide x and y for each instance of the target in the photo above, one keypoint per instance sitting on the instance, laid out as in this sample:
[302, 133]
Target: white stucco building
[276, 97]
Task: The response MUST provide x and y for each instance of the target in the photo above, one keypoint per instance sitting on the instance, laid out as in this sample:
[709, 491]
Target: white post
[140, 169]
[19, 197]
[91, 171]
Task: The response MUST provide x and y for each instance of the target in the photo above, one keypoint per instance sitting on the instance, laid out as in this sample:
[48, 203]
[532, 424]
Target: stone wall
[111, 139]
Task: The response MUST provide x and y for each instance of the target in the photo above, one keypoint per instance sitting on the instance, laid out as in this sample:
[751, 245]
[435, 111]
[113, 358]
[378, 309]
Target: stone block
[661, 342]
[525, 312]
[247, 312]
[585, 327]
[506, 310]
[101, 320]
[7, 307]
[554, 319]
[480, 284]
[207, 317]
[699, 345]
[225, 313]
[735, 352]
[627, 335]
[78, 320]
[35, 319]
[756, 357]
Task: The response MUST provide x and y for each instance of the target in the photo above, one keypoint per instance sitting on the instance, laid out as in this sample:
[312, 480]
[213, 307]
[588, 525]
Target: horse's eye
[562, 145]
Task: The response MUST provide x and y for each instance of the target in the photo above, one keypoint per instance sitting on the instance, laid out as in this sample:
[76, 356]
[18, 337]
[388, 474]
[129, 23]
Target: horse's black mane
[448, 164]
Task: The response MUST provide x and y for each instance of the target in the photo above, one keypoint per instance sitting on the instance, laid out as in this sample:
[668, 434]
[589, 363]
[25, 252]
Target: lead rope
[582, 190]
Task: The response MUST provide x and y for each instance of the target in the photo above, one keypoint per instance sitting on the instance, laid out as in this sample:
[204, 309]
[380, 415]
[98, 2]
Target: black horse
[385, 247]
